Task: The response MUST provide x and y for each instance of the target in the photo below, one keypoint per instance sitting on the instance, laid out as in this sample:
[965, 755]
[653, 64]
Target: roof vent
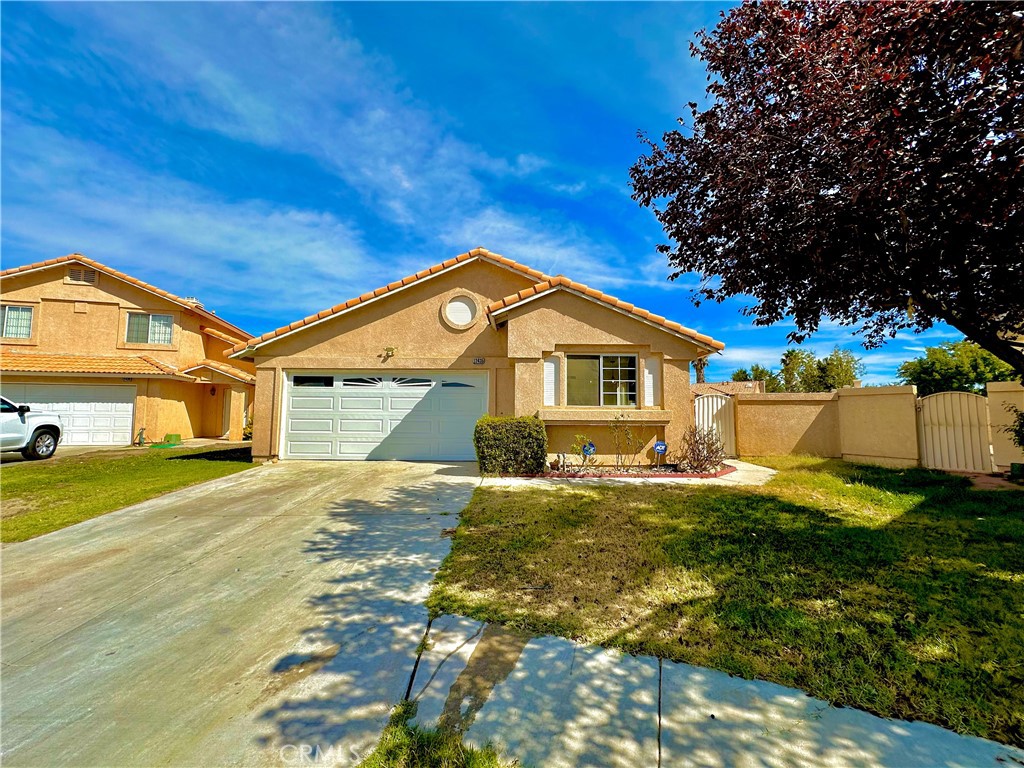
[194, 301]
[82, 275]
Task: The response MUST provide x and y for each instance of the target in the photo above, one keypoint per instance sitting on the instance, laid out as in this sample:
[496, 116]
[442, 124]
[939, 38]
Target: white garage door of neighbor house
[413, 416]
[97, 414]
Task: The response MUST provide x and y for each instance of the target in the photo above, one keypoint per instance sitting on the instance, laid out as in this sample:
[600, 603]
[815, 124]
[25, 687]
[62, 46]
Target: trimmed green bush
[511, 445]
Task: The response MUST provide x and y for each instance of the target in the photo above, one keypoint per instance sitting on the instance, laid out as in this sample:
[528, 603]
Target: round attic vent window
[460, 311]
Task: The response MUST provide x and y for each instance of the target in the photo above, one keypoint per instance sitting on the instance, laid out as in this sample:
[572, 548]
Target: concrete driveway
[239, 622]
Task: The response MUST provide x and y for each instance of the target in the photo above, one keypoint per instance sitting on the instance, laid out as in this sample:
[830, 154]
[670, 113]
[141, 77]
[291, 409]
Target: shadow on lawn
[914, 612]
[371, 610]
[220, 454]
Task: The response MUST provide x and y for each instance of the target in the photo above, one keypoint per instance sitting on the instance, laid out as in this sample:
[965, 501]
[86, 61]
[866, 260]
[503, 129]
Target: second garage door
[353, 415]
[98, 414]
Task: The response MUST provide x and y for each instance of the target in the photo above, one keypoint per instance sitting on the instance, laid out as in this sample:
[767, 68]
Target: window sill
[29, 342]
[600, 414]
[154, 347]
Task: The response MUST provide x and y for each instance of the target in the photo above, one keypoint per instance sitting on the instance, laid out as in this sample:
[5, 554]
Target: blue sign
[589, 449]
[661, 447]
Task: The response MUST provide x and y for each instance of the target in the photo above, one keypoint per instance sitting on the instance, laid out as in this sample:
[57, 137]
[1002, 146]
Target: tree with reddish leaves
[862, 162]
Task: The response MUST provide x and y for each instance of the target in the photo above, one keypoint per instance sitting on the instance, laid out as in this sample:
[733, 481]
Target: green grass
[44, 496]
[897, 592]
[408, 746]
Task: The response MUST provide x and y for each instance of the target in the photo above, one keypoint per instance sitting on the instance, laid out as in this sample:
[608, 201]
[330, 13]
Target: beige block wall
[878, 425]
[781, 424]
[1001, 393]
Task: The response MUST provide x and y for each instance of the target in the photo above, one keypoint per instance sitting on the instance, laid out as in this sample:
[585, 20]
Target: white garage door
[415, 416]
[92, 414]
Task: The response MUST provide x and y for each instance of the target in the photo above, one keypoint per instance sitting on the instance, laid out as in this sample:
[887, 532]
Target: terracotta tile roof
[727, 388]
[192, 305]
[224, 368]
[562, 282]
[222, 336]
[124, 365]
[476, 253]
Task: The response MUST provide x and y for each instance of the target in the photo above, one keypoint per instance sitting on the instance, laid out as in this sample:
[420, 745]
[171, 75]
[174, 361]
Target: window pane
[581, 386]
[618, 381]
[138, 329]
[160, 329]
[17, 322]
[312, 381]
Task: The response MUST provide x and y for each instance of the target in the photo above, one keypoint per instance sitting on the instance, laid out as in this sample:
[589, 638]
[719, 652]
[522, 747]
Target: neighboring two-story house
[118, 358]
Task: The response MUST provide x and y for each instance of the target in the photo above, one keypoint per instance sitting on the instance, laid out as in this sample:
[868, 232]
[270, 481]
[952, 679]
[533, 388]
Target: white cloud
[268, 258]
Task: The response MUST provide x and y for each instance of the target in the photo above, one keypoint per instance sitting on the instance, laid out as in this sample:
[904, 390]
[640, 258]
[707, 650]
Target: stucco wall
[563, 323]
[878, 425]
[780, 424]
[90, 320]
[999, 394]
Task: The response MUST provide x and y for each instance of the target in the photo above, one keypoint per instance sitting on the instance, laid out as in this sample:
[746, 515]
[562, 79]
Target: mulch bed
[646, 472]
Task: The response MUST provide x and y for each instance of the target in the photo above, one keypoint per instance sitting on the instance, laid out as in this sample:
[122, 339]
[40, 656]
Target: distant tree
[859, 161]
[795, 364]
[803, 372]
[772, 381]
[956, 366]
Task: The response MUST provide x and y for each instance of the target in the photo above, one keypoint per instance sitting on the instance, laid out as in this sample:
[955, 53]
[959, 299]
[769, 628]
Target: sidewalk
[551, 702]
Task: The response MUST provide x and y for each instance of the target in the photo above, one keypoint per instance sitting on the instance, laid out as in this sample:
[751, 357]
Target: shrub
[247, 429]
[702, 451]
[1015, 429]
[511, 445]
[582, 452]
[628, 445]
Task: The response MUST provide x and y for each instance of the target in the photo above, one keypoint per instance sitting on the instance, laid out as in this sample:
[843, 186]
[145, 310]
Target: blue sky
[276, 159]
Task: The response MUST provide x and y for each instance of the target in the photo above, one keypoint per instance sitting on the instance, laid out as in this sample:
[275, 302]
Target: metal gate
[955, 433]
[718, 412]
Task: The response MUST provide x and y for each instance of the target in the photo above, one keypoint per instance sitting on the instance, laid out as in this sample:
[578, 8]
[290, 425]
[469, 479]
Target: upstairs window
[603, 380]
[149, 329]
[17, 322]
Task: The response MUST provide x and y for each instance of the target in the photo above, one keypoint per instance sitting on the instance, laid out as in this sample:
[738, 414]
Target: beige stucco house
[405, 371]
[116, 356]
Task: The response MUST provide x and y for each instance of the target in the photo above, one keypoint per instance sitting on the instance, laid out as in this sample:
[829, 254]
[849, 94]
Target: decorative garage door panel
[92, 414]
[355, 416]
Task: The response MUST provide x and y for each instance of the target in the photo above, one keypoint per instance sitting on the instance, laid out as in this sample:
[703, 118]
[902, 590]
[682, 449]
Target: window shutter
[652, 369]
[551, 381]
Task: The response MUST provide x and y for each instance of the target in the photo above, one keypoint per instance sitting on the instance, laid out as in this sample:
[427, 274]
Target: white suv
[35, 434]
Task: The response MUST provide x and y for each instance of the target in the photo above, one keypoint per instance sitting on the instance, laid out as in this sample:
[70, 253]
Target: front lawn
[898, 592]
[44, 496]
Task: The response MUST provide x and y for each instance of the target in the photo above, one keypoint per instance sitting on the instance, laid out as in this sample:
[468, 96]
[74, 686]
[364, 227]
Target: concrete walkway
[233, 623]
[71, 451]
[745, 474]
[551, 702]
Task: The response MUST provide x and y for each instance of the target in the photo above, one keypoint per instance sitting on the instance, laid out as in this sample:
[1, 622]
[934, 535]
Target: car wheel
[42, 446]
